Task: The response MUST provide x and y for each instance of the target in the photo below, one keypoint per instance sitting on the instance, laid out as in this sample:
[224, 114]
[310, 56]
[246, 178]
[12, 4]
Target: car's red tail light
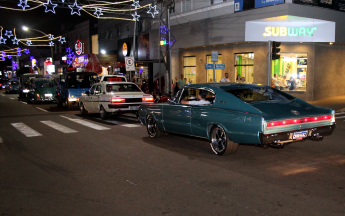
[148, 99]
[297, 121]
[117, 100]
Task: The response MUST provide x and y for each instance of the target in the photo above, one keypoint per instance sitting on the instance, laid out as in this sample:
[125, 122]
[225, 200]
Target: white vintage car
[108, 98]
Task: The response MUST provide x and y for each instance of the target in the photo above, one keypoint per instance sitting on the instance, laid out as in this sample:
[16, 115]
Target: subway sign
[283, 31]
[290, 29]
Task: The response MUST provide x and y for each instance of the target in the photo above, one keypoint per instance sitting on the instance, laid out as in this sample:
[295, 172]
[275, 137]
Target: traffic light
[275, 50]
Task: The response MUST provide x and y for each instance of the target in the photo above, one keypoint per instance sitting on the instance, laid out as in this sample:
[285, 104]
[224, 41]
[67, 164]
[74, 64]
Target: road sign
[208, 66]
[130, 63]
[214, 56]
[218, 66]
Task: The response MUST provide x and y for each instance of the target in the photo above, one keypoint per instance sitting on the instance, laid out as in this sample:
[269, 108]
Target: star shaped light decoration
[135, 4]
[68, 50]
[50, 7]
[62, 40]
[15, 41]
[19, 54]
[26, 51]
[98, 12]
[51, 43]
[3, 40]
[18, 49]
[2, 59]
[51, 37]
[9, 56]
[28, 42]
[8, 33]
[75, 7]
[153, 11]
[23, 4]
[32, 58]
[3, 54]
[135, 16]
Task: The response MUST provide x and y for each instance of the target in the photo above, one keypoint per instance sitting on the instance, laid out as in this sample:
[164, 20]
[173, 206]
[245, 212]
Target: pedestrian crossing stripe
[26, 130]
[120, 123]
[59, 127]
[87, 124]
[0, 140]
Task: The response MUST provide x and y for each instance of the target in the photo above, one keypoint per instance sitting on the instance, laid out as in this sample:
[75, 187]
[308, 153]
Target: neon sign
[79, 47]
[289, 31]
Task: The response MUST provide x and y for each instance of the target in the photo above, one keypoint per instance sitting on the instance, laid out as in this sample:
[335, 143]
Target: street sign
[218, 66]
[214, 56]
[130, 63]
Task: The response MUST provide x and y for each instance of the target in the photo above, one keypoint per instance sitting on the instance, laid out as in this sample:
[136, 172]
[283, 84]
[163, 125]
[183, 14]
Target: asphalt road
[80, 165]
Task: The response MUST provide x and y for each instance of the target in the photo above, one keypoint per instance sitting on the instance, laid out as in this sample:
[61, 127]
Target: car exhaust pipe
[317, 137]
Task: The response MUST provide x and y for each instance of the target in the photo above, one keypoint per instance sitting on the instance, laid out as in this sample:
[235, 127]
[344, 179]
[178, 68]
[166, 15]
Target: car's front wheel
[104, 114]
[220, 142]
[67, 104]
[152, 128]
[82, 108]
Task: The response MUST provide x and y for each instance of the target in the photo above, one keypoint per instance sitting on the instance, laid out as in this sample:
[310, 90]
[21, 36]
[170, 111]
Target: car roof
[105, 83]
[50, 79]
[232, 85]
[82, 73]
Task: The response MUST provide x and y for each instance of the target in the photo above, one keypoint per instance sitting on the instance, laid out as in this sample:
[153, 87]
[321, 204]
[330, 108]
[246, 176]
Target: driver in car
[202, 99]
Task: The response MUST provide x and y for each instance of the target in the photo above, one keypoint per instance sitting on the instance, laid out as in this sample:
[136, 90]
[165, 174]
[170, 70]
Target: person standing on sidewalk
[181, 82]
[226, 78]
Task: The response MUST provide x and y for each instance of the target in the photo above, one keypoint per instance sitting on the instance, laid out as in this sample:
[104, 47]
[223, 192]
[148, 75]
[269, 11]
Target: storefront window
[289, 73]
[219, 72]
[189, 69]
[244, 68]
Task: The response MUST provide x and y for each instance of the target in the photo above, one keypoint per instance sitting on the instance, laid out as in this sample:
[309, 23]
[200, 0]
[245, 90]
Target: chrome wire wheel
[82, 109]
[103, 113]
[152, 128]
[218, 140]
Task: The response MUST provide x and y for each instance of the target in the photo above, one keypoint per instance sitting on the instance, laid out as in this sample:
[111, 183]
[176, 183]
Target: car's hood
[129, 94]
[288, 109]
[77, 92]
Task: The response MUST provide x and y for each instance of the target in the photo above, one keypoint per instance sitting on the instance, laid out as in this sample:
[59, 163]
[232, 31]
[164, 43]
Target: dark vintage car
[41, 90]
[12, 87]
[238, 113]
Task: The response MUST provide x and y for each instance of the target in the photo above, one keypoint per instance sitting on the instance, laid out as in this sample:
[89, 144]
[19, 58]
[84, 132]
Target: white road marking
[129, 118]
[87, 124]
[26, 130]
[0, 140]
[24, 102]
[340, 113]
[339, 117]
[12, 98]
[59, 127]
[120, 123]
[42, 109]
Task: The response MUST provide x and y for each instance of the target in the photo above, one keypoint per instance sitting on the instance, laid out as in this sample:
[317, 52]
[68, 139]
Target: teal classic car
[41, 90]
[12, 86]
[238, 113]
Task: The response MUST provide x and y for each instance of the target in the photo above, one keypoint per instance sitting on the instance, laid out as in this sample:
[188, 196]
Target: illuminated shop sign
[79, 47]
[125, 49]
[290, 29]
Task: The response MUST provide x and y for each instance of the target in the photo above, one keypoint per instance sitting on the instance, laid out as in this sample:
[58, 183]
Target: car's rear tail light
[38, 95]
[117, 100]
[148, 99]
[297, 121]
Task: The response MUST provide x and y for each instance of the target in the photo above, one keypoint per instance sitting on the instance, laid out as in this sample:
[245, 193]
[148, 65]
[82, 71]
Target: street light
[51, 47]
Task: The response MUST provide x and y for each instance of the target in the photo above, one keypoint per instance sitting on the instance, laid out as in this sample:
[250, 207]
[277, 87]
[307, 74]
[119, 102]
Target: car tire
[67, 104]
[82, 109]
[220, 142]
[152, 128]
[104, 114]
[59, 102]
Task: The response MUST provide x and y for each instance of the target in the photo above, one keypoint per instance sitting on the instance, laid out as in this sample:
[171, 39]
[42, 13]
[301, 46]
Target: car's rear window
[256, 94]
[122, 88]
[45, 85]
[14, 83]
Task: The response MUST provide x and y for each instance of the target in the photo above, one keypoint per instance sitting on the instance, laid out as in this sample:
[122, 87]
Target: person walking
[226, 78]
[181, 82]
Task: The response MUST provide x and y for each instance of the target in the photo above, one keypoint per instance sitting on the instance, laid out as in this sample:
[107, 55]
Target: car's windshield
[44, 84]
[256, 94]
[14, 83]
[80, 80]
[122, 88]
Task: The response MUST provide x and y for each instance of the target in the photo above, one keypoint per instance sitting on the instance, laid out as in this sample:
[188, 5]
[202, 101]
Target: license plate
[133, 107]
[48, 95]
[300, 135]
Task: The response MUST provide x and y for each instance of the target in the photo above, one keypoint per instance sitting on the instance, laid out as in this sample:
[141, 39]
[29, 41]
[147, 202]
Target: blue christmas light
[15, 41]
[26, 51]
[68, 50]
[2, 40]
[19, 54]
[9, 56]
[3, 54]
[8, 34]
[75, 7]
[98, 12]
[50, 7]
[32, 58]
[23, 4]
[135, 16]
[51, 37]
[62, 40]
[28, 42]
[135, 4]
[154, 12]
[51, 43]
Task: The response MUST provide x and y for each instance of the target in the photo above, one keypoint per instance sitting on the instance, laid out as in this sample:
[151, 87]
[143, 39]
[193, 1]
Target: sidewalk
[337, 103]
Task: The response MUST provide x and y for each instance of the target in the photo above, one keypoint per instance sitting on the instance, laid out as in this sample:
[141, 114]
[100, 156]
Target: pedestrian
[176, 87]
[238, 78]
[181, 82]
[226, 78]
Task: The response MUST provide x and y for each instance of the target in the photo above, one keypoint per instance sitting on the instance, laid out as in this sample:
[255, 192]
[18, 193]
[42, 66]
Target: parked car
[111, 78]
[238, 113]
[41, 90]
[3, 82]
[108, 98]
[72, 86]
[12, 86]
[24, 83]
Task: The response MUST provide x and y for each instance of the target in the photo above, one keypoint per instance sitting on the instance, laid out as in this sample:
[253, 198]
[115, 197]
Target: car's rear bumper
[286, 137]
